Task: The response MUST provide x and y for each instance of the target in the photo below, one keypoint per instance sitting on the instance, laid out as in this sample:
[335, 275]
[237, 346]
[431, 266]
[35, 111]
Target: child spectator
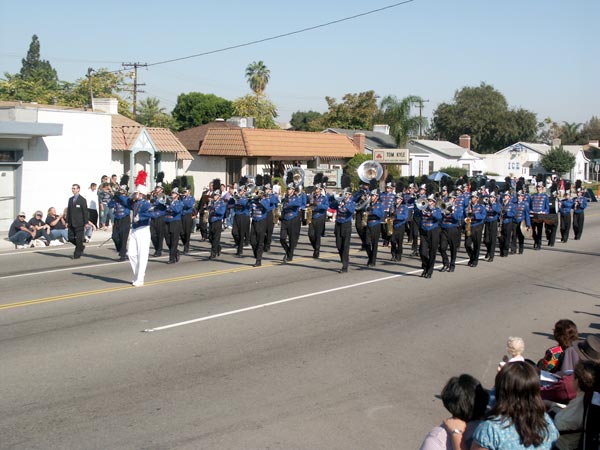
[565, 333]
[515, 346]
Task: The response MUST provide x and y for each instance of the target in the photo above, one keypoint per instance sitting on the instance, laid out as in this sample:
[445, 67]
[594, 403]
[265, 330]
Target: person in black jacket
[77, 218]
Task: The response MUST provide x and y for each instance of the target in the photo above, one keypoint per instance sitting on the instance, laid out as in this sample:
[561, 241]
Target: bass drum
[527, 233]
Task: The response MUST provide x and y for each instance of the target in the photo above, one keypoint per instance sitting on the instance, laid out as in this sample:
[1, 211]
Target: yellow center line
[150, 283]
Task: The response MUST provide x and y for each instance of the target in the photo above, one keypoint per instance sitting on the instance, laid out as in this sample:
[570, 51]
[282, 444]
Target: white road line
[285, 300]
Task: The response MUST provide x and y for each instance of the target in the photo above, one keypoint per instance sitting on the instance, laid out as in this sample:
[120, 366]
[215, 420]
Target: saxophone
[309, 210]
[468, 220]
[389, 221]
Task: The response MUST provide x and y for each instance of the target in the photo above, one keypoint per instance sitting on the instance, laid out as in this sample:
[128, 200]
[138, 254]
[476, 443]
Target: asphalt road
[292, 356]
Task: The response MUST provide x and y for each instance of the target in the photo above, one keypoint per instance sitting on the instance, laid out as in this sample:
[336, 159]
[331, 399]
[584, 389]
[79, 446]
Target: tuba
[369, 170]
[297, 175]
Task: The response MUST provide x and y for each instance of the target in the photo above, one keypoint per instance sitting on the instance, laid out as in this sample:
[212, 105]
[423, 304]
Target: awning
[28, 130]
[292, 158]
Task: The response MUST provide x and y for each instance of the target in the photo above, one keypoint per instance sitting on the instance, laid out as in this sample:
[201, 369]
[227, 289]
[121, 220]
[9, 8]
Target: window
[234, 170]
[431, 167]
[421, 164]
[252, 162]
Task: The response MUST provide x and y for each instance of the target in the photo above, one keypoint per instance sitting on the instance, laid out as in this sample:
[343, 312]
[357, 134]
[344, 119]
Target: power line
[279, 36]
[303, 30]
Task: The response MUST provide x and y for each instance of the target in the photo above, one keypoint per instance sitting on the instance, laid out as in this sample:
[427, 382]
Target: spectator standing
[104, 197]
[77, 218]
[92, 199]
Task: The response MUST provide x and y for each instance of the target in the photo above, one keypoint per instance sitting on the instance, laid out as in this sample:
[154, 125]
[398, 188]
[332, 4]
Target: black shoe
[257, 264]
[444, 268]
[451, 269]
[316, 254]
[424, 274]
[284, 260]
[212, 257]
[343, 270]
[267, 249]
[123, 258]
[171, 261]
[470, 264]
[76, 256]
[414, 253]
[428, 275]
[239, 255]
[219, 251]
[177, 257]
[474, 264]
[490, 259]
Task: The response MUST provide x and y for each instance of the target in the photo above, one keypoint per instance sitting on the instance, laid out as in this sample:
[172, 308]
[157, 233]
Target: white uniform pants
[138, 249]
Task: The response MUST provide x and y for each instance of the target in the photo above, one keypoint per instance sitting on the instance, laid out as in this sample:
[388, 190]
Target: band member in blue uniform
[476, 212]
[376, 214]
[173, 225]
[188, 201]
[507, 213]
[566, 209]
[579, 205]
[319, 204]
[551, 223]
[450, 232]
[388, 199]
[521, 214]
[259, 210]
[343, 226]
[290, 221]
[429, 230]
[273, 209]
[216, 212]
[539, 204]
[492, 209]
[400, 216]
[121, 223]
[241, 220]
[412, 228]
[360, 199]
[157, 225]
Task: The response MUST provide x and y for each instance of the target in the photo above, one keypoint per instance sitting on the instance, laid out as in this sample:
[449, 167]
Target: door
[7, 197]
[234, 171]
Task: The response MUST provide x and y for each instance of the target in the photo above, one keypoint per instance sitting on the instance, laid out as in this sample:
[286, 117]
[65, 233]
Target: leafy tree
[483, 113]
[569, 132]
[104, 84]
[559, 160]
[194, 109]
[355, 113]
[151, 114]
[591, 130]
[396, 113]
[548, 130]
[353, 164]
[258, 76]
[306, 120]
[35, 69]
[259, 107]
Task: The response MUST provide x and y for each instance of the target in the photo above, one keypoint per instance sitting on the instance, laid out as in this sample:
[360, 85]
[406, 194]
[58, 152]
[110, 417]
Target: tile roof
[125, 132]
[252, 142]
[193, 137]
[373, 139]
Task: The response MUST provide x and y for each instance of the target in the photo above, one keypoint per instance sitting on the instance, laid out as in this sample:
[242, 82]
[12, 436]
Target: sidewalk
[98, 237]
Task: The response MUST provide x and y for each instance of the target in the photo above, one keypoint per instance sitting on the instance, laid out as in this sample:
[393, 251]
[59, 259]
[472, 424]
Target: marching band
[430, 222]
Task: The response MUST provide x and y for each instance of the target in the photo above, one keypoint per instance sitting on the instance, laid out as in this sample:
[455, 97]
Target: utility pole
[89, 75]
[135, 89]
[421, 106]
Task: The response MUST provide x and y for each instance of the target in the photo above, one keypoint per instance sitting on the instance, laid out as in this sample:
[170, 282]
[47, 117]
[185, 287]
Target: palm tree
[396, 113]
[258, 76]
[569, 132]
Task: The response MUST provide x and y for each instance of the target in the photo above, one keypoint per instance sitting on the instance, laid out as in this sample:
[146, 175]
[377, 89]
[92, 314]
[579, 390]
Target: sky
[540, 54]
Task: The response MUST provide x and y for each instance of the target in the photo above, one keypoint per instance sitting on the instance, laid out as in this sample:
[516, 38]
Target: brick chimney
[465, 141]
[359, 141]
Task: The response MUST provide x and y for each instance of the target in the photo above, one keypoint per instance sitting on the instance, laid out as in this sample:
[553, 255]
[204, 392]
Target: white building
[446, 154]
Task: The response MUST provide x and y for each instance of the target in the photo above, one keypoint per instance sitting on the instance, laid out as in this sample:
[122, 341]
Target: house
[443, 154]
[230, 153]
[380, 139]
[44, 149]
[524, 159]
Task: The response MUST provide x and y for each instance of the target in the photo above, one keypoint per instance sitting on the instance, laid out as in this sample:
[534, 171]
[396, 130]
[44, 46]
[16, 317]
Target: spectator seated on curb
[41, 228]
[89, 230]
[565, 333]
[58, 226]
[515, 346]
[466, 400]
[20, 232]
